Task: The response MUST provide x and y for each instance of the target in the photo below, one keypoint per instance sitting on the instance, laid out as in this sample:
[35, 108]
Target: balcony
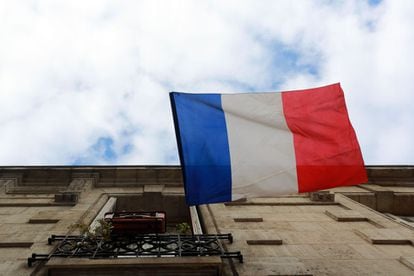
[151, 252]
[133, 242]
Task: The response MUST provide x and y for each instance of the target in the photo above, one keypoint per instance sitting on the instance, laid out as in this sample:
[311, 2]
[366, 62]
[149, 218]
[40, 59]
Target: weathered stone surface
[348, 226]
[312, 242]
[15, 244]
[378, 173]
[340, 237]
[345, 215]
[173, 190]
[385, 236]
[272, 266]
[136, 266]
[403, 204]
[153, 188]
[48, 216]
[42, 221]
[375, 188]
[107, 208]
[385, 201]
[337, 251]
[265, 242]
[368, 199]
[306, 226]
[66, 197]
[14, 254]
[303, 251]
[395, 251]
[408, 261]
[249, 219]
[329, 266]
[368, 251]
[322, 196]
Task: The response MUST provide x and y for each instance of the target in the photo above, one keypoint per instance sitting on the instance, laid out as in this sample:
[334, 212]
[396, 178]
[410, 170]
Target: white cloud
[72, 72]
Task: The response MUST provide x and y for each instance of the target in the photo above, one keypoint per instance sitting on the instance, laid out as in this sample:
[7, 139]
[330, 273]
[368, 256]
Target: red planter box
[137, 222]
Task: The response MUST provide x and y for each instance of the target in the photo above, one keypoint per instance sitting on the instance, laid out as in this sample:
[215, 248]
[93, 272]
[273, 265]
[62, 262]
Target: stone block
[389, 172]
[272, 266]
[368, 251]
[368, 199]
[306, 226]
[264, 242]
[374, 188]
[345, 215]
[303, 251]
[12, 210]
[403, 204]
[66, 197]
[315, 237]
[42, 221]
[395, 251]
[210, 265]
[153, 188]
[170, 176]
[173, 191]
[16, 244]
[336, 251]
[322, 196]
[385, 201]
[146, 176]
[328, 266]
[384, 236]
[125, 175]
[248, 219]
[50, 216]
[408, 261]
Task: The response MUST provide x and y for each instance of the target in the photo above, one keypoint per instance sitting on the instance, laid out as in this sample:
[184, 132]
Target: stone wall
[294, 236]
[360, 232]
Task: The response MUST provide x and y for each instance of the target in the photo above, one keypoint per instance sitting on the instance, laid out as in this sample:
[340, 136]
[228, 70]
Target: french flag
[265, 144]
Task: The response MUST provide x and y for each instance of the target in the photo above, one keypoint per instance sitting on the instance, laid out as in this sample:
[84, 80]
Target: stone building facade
[360, 230]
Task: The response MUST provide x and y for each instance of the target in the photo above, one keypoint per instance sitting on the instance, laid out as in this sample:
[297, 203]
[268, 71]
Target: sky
[87, 82]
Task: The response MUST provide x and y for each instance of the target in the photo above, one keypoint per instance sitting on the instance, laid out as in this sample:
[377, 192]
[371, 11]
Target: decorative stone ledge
[136, 266]
[384, 236]
[408, 261]
[15, 244]
[391, 175]
[67, 197]
[309, 203]
[153, 188]
[322, 196]
[101, 176]
[345, 215]
[248, 219]
[18, 190]
[42, 220]
[264, 242]
[35, 204]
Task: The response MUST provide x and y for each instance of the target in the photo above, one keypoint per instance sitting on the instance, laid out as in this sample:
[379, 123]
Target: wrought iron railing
[153, 245]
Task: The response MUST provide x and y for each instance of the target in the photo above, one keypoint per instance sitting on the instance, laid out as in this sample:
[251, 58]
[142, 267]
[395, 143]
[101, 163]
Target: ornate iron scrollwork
[152, 245]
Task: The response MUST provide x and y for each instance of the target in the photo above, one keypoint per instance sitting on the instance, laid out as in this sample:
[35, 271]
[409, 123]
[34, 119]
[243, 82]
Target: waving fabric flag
[265, 144]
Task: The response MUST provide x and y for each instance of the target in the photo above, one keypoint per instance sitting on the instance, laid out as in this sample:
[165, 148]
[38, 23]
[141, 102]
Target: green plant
[183, 228]
[103, 229]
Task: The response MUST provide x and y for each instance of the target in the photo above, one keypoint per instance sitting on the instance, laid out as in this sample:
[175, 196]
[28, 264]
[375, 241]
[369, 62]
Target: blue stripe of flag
[203, 146]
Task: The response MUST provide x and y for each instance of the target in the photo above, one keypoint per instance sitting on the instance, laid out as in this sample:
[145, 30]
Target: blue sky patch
[287, 58]
[374, 2]
[103, 149]
[127, 148]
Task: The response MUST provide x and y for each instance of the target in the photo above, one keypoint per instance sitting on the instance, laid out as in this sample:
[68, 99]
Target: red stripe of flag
[326, 148]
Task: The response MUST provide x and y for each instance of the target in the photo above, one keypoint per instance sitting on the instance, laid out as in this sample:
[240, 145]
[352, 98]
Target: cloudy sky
[87, 82]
